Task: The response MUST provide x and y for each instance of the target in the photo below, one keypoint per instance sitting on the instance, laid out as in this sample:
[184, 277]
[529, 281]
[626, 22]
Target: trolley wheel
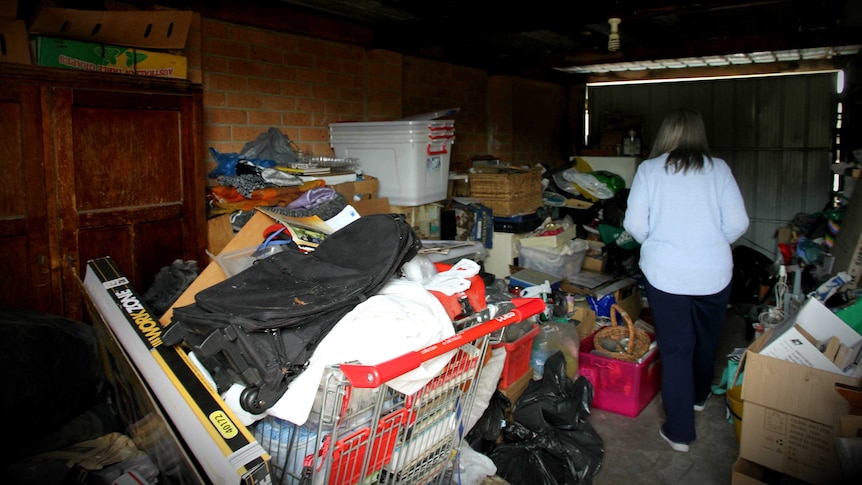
[248, 400]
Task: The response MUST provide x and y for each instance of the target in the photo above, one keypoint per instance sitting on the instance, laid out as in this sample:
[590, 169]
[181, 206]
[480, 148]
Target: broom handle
[371, 376]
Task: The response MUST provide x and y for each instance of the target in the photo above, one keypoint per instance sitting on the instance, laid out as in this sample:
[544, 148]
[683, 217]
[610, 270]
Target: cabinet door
[129, 185]
[25, 260]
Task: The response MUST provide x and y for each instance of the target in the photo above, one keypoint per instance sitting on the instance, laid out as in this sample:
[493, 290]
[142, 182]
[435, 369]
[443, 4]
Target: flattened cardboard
[154, 29]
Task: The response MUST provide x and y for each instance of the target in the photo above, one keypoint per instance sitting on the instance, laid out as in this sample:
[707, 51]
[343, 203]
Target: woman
[685, 209]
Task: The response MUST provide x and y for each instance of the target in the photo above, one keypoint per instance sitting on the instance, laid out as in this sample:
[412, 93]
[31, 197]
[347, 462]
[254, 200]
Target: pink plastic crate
[620, 387]
[517, 357]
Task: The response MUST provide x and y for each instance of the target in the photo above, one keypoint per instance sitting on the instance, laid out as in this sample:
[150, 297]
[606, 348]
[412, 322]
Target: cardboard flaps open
[803, 337]
[155, 29]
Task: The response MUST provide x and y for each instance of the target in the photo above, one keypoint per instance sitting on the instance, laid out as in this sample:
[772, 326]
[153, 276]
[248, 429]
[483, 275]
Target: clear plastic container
[238, 260]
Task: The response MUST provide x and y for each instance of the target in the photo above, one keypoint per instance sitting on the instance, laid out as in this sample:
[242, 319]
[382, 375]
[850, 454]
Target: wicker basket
[508, 191]
[638, 340]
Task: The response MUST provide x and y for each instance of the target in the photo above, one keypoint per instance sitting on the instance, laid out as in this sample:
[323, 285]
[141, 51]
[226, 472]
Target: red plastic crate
[620, 387]
[517, 357]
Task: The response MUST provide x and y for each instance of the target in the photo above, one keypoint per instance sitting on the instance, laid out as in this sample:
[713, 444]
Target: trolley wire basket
[361, 430]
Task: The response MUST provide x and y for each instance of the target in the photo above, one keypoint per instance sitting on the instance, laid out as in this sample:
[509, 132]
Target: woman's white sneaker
[681, 447]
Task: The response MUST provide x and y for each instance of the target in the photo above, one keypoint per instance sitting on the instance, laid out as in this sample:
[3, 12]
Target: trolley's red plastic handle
[370, 376]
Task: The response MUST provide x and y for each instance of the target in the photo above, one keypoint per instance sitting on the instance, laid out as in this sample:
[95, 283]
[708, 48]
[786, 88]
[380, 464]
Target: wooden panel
[24, 240]
[12, 201]
[158, 244]
[126, 158]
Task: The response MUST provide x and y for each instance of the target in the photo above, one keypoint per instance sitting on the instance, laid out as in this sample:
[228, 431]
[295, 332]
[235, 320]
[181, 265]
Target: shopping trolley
[361, 430]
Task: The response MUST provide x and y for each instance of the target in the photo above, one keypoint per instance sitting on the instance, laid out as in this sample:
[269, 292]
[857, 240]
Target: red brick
[268, 118]
[314, 134]
[310, 105]
[325, 92]
[222, 82]
[246, 134]
[279, 103]
[296, 89]
[296, 119]
[224, 48]
[243, 100]
[267, 86]
[216, 133]
[226, 116]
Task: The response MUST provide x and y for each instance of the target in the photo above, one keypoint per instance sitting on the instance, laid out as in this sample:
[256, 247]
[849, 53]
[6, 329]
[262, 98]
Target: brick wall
[254, 79]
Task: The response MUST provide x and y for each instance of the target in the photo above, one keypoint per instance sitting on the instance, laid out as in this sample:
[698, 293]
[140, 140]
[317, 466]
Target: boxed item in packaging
[792, 410]
[151, 29]
[87, 56]
[224, 448]
[473, 222]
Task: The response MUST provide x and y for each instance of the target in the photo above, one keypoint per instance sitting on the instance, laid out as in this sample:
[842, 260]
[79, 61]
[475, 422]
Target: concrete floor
[635, 453]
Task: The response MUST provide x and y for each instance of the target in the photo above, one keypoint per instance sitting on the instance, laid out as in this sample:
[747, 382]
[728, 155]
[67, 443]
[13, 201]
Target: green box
[88, 56]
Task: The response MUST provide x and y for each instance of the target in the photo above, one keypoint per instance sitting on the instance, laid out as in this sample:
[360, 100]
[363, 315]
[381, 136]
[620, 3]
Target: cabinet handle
[42, 261]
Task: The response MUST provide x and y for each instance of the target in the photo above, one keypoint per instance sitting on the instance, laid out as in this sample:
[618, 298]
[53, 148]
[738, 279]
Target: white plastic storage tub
[409, 158]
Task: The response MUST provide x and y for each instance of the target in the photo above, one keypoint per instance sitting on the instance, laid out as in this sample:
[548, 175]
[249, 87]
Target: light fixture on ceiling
[614, 36]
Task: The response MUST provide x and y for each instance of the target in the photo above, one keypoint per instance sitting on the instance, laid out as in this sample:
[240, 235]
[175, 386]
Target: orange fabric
[228, 199]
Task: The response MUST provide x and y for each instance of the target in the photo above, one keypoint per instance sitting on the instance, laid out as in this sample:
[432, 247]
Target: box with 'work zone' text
[224, 449]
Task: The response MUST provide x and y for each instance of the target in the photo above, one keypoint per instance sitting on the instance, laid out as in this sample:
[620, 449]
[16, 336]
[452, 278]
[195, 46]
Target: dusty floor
[636, 454]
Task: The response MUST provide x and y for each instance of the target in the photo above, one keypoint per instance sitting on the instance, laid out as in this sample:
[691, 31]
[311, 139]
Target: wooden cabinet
[95, 165]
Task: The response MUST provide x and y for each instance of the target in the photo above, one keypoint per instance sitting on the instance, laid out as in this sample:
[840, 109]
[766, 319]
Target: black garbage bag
[489, 428]
[550, 441]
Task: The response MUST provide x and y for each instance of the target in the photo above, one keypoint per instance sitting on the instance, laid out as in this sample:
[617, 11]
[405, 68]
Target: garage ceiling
[558, 38]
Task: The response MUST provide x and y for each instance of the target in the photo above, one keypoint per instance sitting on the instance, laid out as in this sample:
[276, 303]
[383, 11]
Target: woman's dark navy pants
[688, 330]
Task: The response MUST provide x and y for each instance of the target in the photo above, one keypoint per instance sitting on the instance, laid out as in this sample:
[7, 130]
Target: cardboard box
[379, 205]
[425, 219]
[86, 56]
[746, 472]
[516, 389]
[595, 258]
[362, 195]
[792, 415]
[473, 222]
[15, 46]
[224, 448]
[550, 241]
[358, 190]
[139, 411]
[153, 29]
[8, 9]
[789, 342]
